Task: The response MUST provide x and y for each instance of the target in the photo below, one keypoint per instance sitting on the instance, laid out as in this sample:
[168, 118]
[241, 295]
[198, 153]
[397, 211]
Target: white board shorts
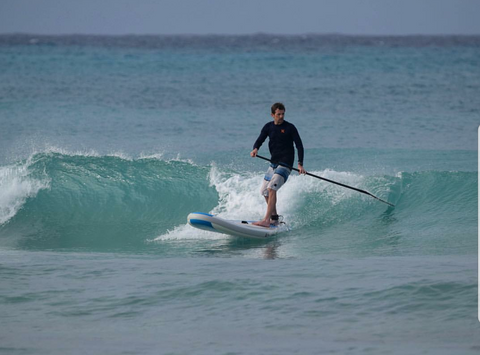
[274, 179]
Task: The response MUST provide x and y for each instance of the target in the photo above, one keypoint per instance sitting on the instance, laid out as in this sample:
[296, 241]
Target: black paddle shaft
[331, 181]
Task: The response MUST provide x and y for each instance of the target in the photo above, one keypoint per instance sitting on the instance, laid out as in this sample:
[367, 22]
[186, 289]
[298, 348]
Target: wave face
[56, 200]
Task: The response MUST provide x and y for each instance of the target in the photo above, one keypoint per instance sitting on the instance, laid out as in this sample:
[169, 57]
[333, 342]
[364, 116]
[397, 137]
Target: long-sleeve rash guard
[281, 139]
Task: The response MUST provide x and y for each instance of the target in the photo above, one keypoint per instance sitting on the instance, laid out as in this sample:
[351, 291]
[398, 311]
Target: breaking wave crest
[55, 200]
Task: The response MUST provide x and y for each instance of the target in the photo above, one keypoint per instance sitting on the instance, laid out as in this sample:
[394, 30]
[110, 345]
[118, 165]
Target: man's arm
[299, 145]
[258, 143]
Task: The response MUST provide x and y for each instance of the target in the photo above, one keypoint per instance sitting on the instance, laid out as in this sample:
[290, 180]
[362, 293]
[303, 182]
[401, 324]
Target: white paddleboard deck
[233, 227]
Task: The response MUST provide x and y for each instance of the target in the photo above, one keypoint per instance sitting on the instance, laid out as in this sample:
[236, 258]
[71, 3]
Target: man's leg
[275, 209]
[271, 208]
[271, 205]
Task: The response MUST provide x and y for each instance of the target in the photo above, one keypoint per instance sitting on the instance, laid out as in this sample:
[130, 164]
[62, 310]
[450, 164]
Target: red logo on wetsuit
[282, 130]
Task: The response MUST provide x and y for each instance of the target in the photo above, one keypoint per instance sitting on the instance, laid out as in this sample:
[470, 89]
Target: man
[282, 135]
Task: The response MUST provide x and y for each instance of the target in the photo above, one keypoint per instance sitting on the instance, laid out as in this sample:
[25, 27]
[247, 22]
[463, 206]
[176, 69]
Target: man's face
[278, 116]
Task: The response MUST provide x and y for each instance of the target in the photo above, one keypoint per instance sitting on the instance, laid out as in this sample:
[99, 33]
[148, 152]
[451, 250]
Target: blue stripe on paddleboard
[205, 214]
[201, 222]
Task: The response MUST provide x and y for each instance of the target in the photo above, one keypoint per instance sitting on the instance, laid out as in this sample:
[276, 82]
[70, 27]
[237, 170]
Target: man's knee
[264, 192]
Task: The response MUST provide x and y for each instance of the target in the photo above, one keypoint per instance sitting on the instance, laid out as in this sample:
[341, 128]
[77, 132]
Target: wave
[100, 201]
[56, 200]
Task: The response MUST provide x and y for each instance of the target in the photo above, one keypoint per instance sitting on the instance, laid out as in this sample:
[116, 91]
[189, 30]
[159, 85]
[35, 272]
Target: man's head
[278, 106]
[278, 113]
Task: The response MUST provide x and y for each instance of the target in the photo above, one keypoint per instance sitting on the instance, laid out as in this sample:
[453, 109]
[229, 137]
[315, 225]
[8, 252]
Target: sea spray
[17, 185]
[302, 201]
[239, 196]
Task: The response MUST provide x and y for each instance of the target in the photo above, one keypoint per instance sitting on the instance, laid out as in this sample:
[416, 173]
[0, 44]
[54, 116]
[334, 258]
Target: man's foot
[274, 219]
[265, 224]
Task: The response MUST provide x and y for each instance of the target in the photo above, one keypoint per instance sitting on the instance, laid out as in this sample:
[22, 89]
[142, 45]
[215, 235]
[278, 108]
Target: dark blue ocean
[107, 143]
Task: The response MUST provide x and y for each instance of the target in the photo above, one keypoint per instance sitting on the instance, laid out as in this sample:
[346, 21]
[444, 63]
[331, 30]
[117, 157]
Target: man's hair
[277, 106]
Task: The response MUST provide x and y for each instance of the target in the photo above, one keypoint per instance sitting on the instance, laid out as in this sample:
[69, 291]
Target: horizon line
[305, 34]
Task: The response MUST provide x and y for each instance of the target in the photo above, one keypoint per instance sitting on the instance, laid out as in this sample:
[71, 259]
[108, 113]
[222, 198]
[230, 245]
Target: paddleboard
[233, 227]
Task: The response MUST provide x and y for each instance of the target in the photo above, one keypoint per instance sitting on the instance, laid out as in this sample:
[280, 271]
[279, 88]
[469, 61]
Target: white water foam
[240, 198]
[16, 185]
[186, 232]
[239, 195]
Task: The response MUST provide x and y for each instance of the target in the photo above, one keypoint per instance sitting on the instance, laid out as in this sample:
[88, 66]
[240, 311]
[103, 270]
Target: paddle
[331, 181]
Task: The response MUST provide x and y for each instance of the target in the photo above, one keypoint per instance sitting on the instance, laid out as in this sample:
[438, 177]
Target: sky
[357, 17]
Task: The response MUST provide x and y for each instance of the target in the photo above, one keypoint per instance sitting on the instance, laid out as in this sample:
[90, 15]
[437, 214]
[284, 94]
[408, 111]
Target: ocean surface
[107, 143]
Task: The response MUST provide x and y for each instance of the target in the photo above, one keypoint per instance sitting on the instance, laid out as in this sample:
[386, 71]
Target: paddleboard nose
[199, 220]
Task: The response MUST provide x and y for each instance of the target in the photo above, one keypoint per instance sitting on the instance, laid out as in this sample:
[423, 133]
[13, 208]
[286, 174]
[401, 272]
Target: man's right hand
[253, 153]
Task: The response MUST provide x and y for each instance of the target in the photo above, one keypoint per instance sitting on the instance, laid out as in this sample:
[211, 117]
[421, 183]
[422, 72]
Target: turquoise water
[107, 143]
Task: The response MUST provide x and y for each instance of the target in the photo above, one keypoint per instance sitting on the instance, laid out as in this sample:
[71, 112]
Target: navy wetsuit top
[281, 139]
